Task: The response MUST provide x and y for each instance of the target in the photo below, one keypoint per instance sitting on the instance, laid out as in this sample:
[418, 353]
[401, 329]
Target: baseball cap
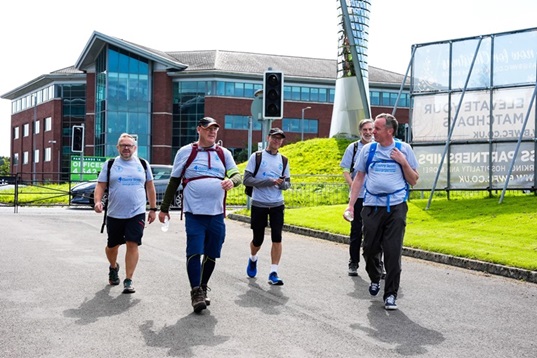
[276, 131]
[206, 122]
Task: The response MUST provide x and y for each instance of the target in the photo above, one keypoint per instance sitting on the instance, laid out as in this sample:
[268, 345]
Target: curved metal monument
[351, 102]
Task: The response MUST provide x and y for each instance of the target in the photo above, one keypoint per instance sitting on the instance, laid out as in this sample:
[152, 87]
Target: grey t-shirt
[270, 168]
[348, 160]
[203, 196]
[126, 192]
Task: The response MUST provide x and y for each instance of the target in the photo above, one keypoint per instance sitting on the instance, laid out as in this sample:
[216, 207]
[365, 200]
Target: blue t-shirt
[126, 192]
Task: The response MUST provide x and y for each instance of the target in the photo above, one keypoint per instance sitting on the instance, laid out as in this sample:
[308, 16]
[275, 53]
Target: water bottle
[348, 216]
[165, 225]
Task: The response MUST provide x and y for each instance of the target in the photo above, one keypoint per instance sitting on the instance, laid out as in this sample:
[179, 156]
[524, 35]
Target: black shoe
[113, 275]
[198, 299]
[353, 268]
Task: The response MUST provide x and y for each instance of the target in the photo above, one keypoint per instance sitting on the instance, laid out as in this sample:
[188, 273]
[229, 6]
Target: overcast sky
[39, 37]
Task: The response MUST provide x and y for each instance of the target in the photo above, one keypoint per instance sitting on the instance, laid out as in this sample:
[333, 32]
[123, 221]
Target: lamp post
[302, 123]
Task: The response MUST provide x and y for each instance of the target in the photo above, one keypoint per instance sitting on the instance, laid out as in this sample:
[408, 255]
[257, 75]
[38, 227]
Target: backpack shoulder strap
[372, 150]
[398, 144]
[258, 155]
[284, 163]
[110, 163]
[354, 150]
[144, 163]
[191, 158]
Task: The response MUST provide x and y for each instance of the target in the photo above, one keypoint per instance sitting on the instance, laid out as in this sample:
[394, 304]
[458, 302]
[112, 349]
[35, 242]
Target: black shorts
[122, 230]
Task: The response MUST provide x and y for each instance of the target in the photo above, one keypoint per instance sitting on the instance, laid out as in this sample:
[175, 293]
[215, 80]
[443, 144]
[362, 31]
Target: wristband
[153, 209]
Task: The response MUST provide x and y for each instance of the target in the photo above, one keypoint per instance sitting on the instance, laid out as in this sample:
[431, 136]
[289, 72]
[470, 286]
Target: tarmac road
[55, 300]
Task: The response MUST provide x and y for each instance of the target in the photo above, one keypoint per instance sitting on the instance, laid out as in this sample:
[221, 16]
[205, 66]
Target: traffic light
[77, 143]
[273, 95]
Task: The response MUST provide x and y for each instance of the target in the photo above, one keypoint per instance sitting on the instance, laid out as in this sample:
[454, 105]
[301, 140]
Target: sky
[39, 37]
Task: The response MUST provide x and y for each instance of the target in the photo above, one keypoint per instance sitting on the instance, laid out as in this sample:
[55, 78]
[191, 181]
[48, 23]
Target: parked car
[82, 193]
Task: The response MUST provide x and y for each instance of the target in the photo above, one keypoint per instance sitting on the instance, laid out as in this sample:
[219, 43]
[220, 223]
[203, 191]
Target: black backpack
[249, 189]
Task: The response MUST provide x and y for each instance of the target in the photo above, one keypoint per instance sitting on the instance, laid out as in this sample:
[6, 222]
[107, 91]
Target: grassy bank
[479, 229]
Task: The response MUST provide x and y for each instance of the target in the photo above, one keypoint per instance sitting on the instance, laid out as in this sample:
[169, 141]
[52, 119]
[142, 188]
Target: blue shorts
[205, 234]
[122, 230]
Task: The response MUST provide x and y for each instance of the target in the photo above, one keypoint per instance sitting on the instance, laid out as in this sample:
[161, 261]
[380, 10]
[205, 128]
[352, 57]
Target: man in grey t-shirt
[129, 183]
[272, 177]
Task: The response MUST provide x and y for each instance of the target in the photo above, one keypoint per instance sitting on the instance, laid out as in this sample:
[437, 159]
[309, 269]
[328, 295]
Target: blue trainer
[374, 288]
[389, 303]
[251, 269]
[273, 279]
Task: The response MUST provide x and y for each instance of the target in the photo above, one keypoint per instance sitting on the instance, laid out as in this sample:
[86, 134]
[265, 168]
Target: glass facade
[122, 101]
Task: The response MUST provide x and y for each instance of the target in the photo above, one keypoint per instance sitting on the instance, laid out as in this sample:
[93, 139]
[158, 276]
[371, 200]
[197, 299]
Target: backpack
[248, 190]
[184, 181]
[105, 199]
[370, 162]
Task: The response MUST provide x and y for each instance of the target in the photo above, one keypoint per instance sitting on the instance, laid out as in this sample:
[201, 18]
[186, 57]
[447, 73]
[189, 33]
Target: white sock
[273, 268]
[253, 258]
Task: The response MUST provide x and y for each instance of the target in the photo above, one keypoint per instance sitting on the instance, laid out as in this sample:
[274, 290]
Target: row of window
[292, 93]
[26, 160]
[293, 125]
[26, 128]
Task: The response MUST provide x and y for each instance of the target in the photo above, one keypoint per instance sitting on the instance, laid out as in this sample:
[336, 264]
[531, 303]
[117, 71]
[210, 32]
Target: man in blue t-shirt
[389, 174]
[128, 182]
[209, 178]
[272, 177]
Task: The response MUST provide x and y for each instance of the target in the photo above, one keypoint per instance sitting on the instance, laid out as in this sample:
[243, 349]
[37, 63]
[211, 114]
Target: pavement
[55, 300]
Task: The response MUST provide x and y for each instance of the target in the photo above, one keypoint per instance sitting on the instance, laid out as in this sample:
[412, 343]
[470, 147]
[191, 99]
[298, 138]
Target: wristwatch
[153, 209]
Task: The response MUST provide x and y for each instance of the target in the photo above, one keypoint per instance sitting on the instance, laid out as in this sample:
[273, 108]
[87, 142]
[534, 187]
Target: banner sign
[87, 168]
[478, 118]
[472, 166]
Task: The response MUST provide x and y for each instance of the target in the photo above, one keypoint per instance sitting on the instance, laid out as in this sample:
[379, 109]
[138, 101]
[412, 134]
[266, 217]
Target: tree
[4, 166]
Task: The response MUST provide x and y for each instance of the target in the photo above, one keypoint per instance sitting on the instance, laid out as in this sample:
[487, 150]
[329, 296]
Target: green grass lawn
[479, 229]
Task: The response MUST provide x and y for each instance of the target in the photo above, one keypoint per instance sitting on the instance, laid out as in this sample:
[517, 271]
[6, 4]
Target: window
[16, 133]
[36, 156]
[16, 159]
[48, 154]
[25, 158]
[48, 124]
[240, 122]
[295, 125]
[36, 127]
[26, 130]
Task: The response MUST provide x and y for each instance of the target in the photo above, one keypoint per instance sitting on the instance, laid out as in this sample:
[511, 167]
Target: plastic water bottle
[348, 216]
[165, 225]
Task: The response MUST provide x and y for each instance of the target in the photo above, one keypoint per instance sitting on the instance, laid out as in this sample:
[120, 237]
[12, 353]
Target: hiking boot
[198, 299]
[374, 288]
[273, 279]
[353, 268]
[389, 303]
[205, 288]
[127, 286]
[113, 275]
[251, 269]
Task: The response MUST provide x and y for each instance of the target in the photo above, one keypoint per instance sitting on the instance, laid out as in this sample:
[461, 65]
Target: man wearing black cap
[203, 204]
[270, 179]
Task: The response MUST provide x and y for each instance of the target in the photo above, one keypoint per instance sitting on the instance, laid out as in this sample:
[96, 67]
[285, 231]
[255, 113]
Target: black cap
[276, 131]
[207, 122]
